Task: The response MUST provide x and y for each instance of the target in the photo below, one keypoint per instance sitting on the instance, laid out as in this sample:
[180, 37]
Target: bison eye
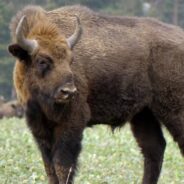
[42, 66]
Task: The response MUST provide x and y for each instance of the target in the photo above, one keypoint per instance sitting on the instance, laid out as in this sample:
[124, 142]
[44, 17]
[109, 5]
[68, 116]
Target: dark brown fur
[125, 69]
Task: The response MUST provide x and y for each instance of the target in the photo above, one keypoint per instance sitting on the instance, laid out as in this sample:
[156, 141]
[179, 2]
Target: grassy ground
[106, 158]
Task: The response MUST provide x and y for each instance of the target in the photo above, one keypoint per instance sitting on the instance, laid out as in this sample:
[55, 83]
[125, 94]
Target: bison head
[43, 70]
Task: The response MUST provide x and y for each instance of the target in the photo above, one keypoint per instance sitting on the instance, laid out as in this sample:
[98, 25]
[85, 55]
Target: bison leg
[148, 134]
[175, 124]
[43, 136]
[45, 149]
[65, 154]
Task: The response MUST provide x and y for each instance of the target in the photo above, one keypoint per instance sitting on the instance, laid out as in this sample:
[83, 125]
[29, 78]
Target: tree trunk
[175, 12]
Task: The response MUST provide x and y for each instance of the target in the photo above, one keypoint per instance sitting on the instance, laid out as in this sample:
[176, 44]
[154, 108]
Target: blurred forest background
[171, 11]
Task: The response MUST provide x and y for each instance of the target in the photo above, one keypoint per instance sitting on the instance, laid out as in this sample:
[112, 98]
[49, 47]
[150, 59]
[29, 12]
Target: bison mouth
[63, 98]
[51, 99]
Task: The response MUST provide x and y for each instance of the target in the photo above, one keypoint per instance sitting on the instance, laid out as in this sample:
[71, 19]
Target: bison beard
[125, 70]
[53, 111]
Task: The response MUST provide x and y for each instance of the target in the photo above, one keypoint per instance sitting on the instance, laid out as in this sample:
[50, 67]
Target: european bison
[107, 70]
[11, 109]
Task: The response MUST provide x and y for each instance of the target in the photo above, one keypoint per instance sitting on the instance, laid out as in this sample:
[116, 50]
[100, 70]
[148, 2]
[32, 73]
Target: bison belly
[115, 99]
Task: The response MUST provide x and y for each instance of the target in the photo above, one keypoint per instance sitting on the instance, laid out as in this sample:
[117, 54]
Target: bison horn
[27, 44]
[72, 40]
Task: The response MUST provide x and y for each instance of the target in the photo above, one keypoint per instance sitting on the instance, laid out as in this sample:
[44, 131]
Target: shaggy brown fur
[125, 69]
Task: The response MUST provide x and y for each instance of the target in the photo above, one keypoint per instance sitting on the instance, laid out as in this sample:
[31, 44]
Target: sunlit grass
[106, 158]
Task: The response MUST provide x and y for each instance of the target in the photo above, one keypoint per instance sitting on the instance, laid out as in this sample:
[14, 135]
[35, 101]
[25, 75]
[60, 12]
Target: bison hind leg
[174, 122]
[149, 137]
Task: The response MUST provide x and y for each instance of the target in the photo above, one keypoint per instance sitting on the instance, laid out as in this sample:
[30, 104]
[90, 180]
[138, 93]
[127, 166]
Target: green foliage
[6, 67]
[5, 14]
[106, 158]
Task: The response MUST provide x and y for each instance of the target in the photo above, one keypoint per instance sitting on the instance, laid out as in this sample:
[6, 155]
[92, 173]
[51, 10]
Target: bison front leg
[43, 136]
[148, 134]
[65, 154]
[45, 149]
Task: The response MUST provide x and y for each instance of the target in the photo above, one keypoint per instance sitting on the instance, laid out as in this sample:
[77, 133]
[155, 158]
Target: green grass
[106, 158]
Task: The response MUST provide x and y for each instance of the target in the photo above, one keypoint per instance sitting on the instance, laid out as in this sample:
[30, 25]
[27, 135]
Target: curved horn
[26, 44]
[72, 40]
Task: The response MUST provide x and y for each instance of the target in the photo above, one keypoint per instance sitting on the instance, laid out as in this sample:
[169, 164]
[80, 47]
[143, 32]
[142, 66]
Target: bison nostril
[68, 90]
[65, 92]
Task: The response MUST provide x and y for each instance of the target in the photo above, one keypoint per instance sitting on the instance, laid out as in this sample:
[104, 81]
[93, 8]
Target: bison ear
[18, 52]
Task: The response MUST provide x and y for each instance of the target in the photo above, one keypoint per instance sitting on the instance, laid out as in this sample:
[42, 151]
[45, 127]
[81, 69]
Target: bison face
[49, 75]
[45, 58]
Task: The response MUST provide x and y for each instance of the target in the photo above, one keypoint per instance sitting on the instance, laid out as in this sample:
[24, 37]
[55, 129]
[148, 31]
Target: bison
[76, 68]
[10, 109]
